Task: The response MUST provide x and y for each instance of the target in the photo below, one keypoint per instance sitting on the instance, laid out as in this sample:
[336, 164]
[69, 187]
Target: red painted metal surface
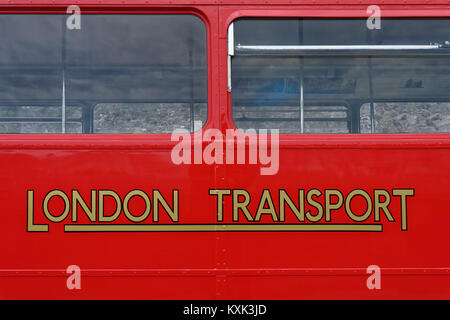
[414, 263]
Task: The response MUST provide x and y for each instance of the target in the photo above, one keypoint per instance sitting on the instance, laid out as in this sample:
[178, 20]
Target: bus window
[147, 73]
[39, 119]
[148, 117]
[395, 117]
[321, 119]
[282, 69]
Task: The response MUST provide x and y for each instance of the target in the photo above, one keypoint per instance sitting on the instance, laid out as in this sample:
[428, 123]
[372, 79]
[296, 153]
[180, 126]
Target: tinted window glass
[39, 119]
[147, 117]
[119, 62]
[279, 91]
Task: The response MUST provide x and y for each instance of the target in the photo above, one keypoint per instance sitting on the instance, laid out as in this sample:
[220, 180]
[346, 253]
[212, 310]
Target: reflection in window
[147, 118]
[406, 118]
[154, 63]
[322, 119]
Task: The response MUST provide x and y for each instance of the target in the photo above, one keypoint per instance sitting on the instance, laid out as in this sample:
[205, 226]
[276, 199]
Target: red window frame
[230, 13]
[207, 14]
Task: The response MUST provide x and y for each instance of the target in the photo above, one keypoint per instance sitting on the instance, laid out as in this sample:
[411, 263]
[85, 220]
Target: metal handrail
[338, 47]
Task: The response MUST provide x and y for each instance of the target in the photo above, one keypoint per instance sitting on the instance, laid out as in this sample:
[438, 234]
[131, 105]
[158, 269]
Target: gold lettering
[101, 214]
[403, 193]
[332, 206]
[241, 205]
[148, 205]
[266, 198]
[358, 192]
[382, 205]
[315, 204]
[299, 212]
[76, 197]
[159, 199]
[31, 227]
[220, 193]
[66, 210]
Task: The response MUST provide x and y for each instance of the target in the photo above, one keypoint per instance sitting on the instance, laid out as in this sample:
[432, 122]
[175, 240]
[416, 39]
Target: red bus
[224, 149]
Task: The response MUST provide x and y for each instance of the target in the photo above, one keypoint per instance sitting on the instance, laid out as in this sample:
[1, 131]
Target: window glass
[326, 91]
[115, 62]
[266, 93]
[147, 117]
[38, 126]
[39, 119]
[330, 119]
[395, 117]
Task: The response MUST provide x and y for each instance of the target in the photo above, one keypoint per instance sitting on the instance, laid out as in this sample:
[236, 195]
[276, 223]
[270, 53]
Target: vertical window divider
[63, 93]
[230, 54]
[372, 110]
[63, 104]
[191, 106]
[302, 116]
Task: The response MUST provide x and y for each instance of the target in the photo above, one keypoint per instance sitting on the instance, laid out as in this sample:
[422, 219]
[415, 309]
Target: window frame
[332, 141]
[317, 51]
